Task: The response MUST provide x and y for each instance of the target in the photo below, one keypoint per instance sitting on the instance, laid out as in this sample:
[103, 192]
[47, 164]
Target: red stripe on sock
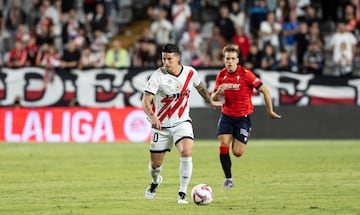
[224, 149]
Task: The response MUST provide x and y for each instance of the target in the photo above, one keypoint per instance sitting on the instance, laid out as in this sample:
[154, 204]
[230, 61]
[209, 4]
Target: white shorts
[164, 139]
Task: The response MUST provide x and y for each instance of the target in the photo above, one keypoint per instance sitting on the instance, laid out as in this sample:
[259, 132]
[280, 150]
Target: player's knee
[224, 145]
[238, 154]
[155, 165]
[185, 153]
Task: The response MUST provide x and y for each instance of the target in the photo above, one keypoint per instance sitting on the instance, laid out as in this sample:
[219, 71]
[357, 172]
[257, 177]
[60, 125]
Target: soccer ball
[202, 194]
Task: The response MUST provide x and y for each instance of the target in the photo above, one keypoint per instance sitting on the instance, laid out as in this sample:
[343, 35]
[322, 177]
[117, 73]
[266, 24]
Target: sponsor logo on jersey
[232, 86]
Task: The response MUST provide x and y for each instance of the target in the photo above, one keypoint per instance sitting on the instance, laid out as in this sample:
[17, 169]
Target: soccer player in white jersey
[166, 103]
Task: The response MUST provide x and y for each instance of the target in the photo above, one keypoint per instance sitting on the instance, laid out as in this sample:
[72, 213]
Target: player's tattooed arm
[147, 106]
[201, 88]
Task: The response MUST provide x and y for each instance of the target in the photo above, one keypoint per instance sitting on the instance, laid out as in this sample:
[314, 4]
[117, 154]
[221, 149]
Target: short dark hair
[170, 48]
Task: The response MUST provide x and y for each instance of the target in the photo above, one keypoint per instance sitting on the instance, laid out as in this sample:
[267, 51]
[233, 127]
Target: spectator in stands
[89, 10]
[161, 28]
[44, 28]
[314, 60]
[300, 7]
[253, 60]
[214, 45]
[66, 7]
[289, 30]
[271, 4]
[350, 18]
[108, 6]
[33, 14]
[180, 15]
[258, 14]
[340, 37]
[243, 42]
[282, 11]
[145, 50]
[32, 49]
[269, 32]
[15, 17]
[315, 34]
[22, 33]
[81, 39]
[153, 11]
[71, 26]
[100, 21]
[71, 56]
[343, 61]
[50, 62]
[268, 58]
[310, 14]
[302, 41]
[90, 59]
[54, 13]
[225, 24]
[190, 42]
[237, 14]
[116, 56]
[99, 41]
[46, 36]
[17, 56]
[356, 5]
[284, 63]
[196, 10]
[43, 50]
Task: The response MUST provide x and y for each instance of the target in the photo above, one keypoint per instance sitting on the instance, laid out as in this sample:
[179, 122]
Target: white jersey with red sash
[172, 94]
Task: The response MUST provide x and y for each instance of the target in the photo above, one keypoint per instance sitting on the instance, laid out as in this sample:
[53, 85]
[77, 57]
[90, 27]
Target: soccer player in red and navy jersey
[235, 85]
[166, 103]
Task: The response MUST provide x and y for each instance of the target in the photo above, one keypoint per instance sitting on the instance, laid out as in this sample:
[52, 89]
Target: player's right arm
[147, 107]
[218, 89]
[217, 94]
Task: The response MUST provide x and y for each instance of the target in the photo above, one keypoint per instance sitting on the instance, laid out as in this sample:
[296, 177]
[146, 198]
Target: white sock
[185, 172]
[155, 173]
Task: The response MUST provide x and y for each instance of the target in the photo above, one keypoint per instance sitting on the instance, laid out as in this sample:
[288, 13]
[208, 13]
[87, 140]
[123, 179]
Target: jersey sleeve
[196, 78]
[153, 83]
[254, 81]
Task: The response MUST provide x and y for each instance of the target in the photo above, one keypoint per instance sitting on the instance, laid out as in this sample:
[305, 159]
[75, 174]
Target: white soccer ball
[202, 194]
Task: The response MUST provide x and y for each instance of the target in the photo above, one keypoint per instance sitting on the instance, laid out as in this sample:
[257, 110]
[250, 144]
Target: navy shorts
[239, 127]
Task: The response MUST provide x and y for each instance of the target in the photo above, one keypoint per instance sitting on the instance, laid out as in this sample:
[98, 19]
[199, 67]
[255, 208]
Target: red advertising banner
[69, 125]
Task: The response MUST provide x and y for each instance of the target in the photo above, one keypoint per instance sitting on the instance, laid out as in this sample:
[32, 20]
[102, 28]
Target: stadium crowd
[303, 36]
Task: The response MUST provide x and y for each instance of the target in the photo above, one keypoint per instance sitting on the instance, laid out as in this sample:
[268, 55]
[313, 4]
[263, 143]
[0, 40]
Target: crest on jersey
[225, 77]
[238, 77]
[150, 82]
[178, 86]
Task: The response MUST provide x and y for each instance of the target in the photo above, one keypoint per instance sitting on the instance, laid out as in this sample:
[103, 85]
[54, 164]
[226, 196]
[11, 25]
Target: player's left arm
[201, 88]
[268, 103]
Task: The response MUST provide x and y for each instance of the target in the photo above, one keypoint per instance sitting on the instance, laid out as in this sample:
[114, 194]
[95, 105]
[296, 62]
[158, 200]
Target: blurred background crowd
[302, 36]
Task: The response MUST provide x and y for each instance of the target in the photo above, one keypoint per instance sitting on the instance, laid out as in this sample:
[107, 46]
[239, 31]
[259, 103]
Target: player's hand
[155, 123]
[215, 104]
[274, 115]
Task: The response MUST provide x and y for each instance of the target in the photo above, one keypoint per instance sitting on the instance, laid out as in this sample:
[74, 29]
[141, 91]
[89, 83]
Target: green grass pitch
[273, 177]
